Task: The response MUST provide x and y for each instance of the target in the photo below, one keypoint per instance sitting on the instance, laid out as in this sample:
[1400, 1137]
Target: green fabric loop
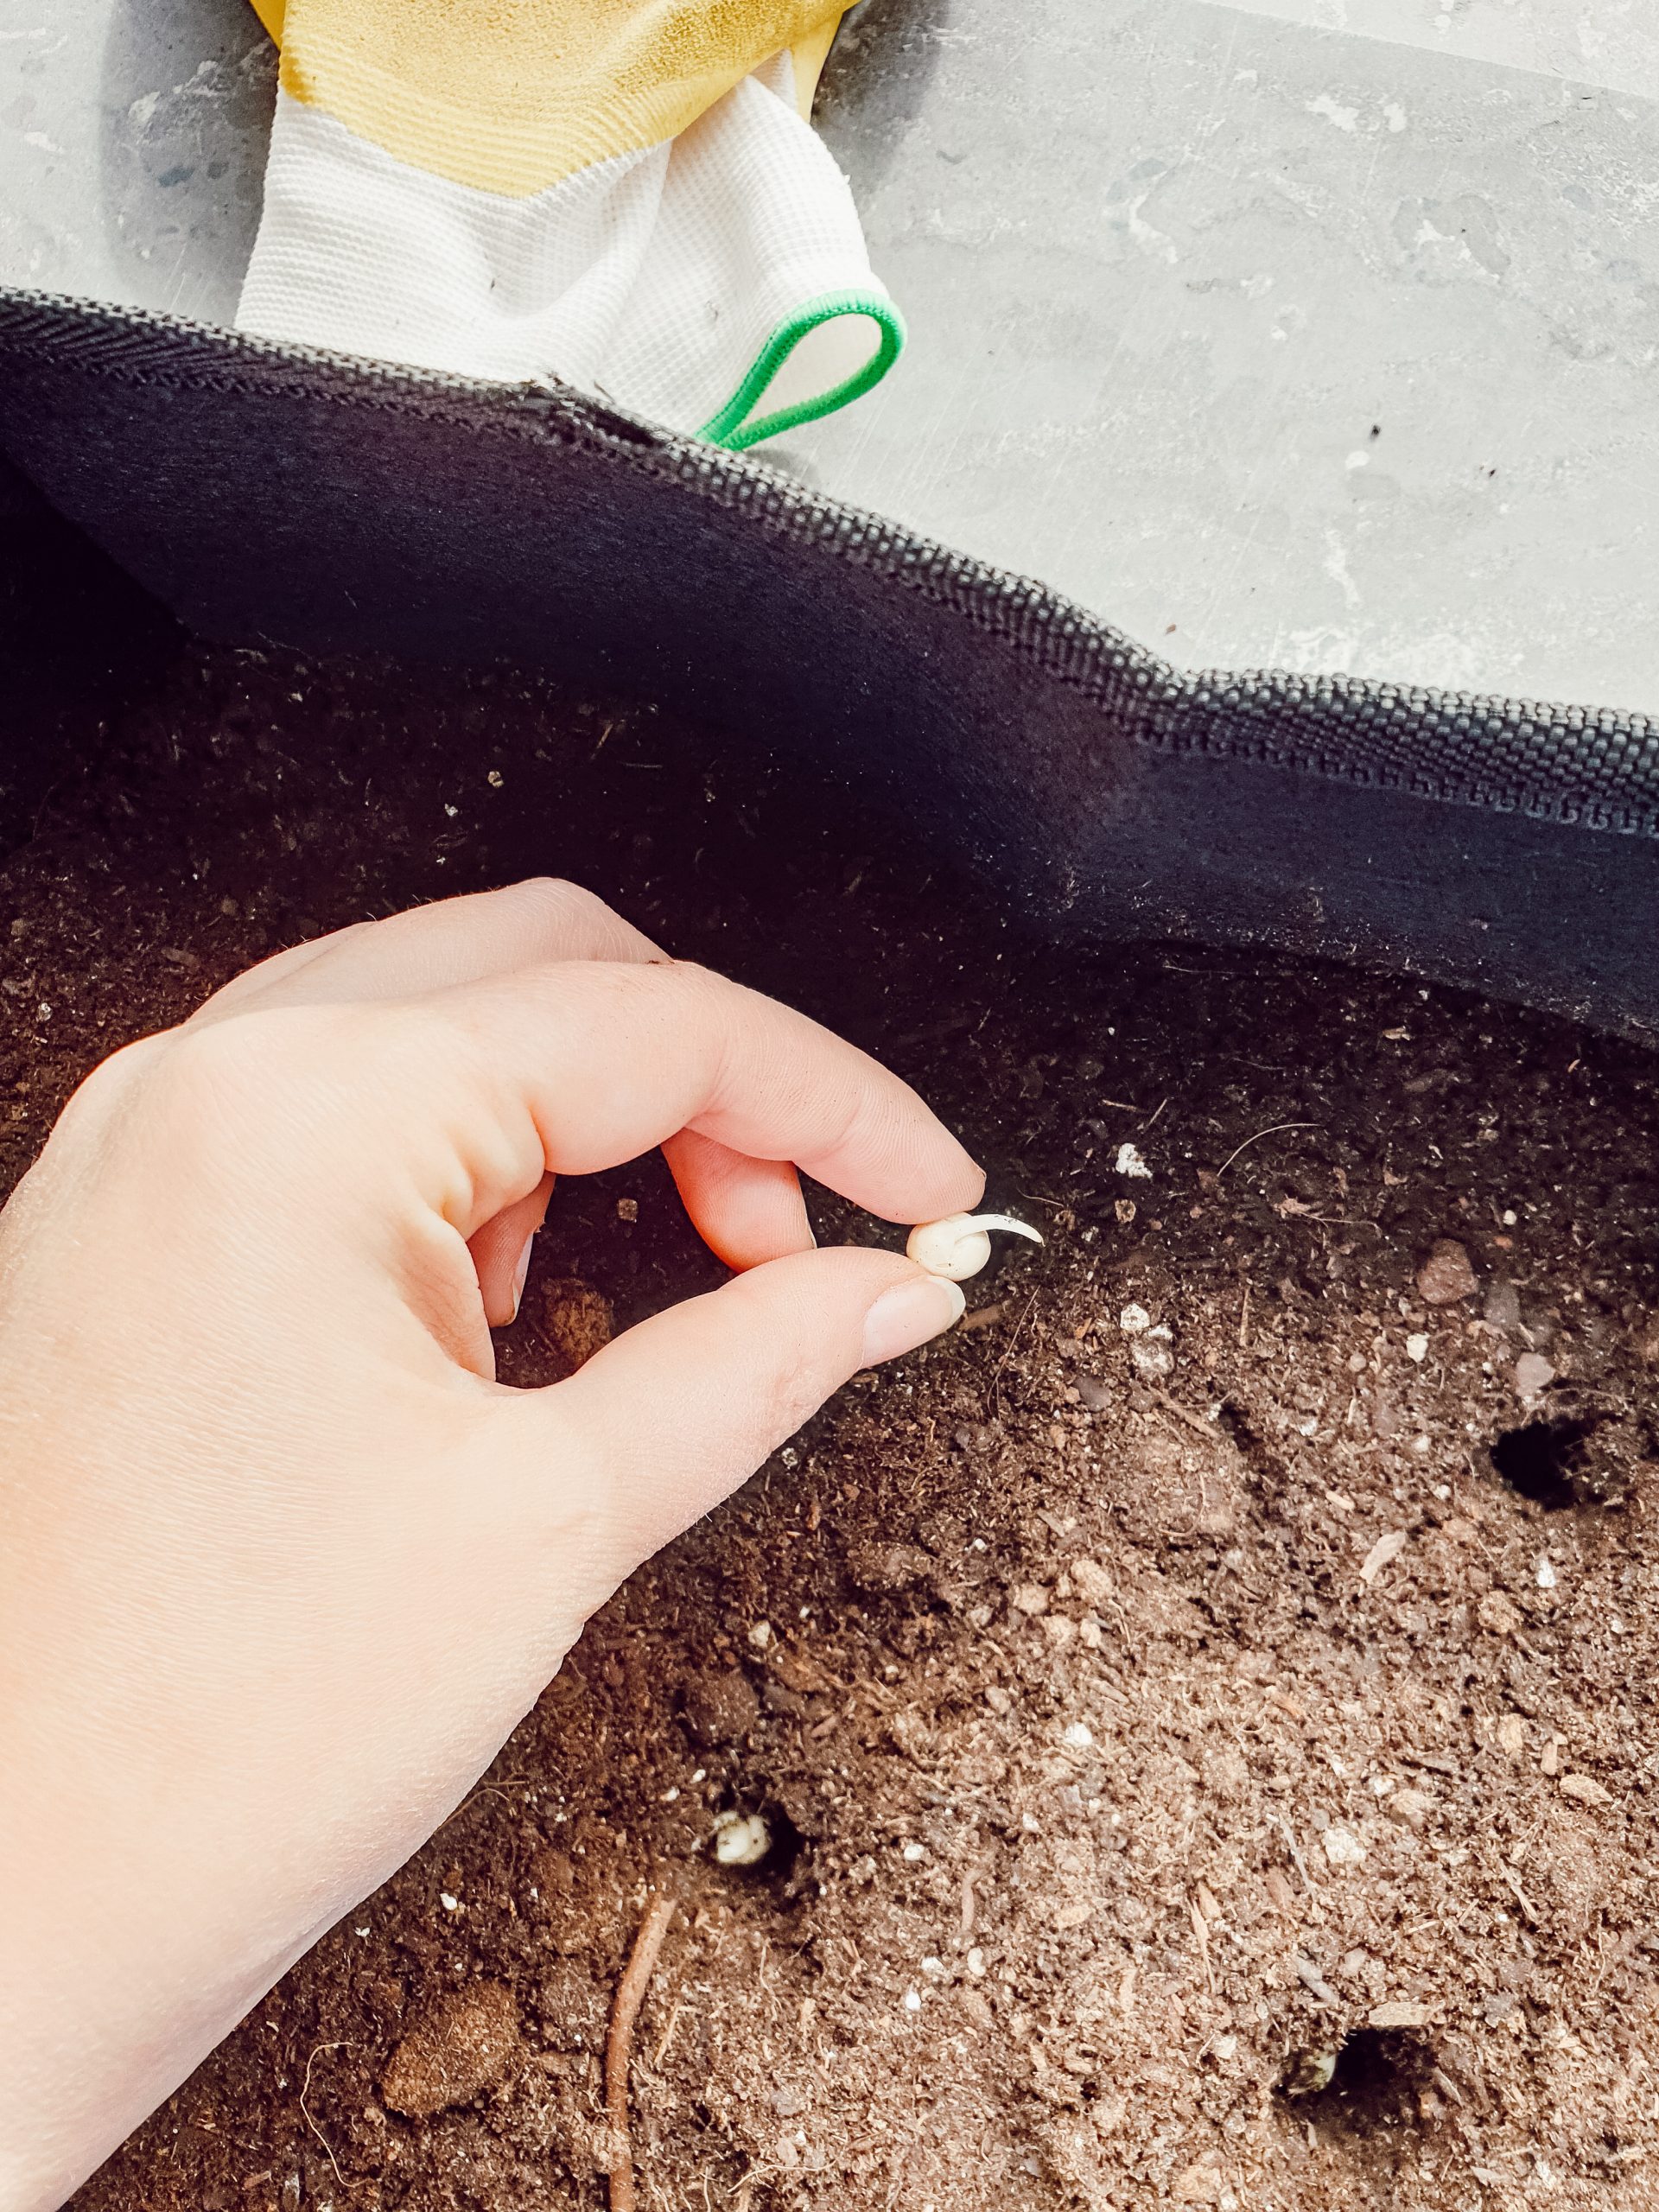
[732, 426]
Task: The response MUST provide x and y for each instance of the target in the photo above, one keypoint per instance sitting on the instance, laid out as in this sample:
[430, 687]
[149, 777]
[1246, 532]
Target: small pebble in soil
[1502, 1309]
[1446, 1276]
[576, 1321]
[1411, 1806]
[466, 2043]
[1533, 1374]
[1152, 1351]
[1134, 1320]
[1383, 1552]
[1584, 1789]
[720, 1706]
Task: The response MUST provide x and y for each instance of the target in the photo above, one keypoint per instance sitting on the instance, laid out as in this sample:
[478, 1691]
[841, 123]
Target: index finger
[430, 948]
[610, 1059]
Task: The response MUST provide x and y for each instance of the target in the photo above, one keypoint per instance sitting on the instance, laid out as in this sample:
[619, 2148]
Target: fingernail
[908, 1315]
[519, 1274]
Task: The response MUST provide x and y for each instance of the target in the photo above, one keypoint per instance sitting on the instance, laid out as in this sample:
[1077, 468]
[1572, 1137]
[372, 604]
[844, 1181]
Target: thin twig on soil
[305, 2116]
[483, 1789]
[1206, 1428]
[1278, 1129]
[1201, 1931]
[619, 2043]
[1300, 1863]
[1520, 1898]
[667, 2036]
[1008, 1354]
[982, 1317]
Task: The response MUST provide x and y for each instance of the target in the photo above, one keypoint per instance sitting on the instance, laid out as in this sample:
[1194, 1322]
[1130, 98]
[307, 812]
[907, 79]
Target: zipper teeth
[1594, 767]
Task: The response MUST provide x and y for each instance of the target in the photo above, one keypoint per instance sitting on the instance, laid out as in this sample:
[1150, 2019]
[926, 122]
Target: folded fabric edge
[732, 426]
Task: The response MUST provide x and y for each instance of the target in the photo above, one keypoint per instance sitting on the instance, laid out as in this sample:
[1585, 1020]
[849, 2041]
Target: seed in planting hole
[1309, 2072]
[959, 1246]
[741, 1839]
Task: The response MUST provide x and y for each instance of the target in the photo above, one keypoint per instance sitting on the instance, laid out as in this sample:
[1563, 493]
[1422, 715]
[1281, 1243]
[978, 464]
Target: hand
[282, 1564]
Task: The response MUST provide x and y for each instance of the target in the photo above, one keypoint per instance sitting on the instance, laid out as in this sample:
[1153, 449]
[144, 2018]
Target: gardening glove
[623, 195]
[282, 1564]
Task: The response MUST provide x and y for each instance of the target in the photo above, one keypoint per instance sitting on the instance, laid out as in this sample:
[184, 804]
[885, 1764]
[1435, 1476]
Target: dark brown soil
[1204, 1711]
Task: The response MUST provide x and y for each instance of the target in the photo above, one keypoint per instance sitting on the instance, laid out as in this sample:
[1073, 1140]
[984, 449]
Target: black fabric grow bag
[266, 495]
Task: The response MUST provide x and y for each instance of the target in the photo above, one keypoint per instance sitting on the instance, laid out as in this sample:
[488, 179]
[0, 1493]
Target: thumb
[674, 1416]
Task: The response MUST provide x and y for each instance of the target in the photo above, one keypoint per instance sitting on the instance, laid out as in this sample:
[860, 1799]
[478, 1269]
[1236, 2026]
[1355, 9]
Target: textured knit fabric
[620, 195]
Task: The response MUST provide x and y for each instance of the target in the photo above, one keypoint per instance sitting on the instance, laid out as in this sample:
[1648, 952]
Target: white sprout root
[959, 1246]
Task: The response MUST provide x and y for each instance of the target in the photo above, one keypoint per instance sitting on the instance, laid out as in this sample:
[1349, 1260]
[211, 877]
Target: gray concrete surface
[1320, 333]
[1331, 350]
[132, 145]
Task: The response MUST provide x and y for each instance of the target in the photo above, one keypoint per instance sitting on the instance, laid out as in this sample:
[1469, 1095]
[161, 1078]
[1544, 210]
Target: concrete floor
[1315, 333]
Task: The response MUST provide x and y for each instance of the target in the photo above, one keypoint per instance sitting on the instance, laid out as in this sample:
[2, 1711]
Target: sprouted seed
[741, 1839]
[959, 1246]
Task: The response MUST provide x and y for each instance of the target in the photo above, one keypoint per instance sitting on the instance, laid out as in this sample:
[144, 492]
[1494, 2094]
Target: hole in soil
[1539, 1459]
[1237, 1428]
[1375, 2079]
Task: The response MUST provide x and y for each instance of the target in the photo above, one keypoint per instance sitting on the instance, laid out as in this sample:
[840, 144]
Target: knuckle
[710, 996]
[107, 1092]
[692, 977]
[558, 906]
[246, 1082]
[554, 894]
[217, 1073]
[113, 1079]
